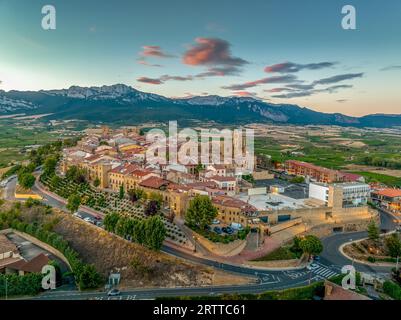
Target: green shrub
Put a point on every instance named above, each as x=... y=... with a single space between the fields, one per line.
x=392 y=289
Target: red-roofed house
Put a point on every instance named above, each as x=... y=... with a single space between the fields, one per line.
x=388 y=198
x=234 y=210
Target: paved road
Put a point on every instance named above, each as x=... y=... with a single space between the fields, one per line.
x=329 y=265
x=331 y=255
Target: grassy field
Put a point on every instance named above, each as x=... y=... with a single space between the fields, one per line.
x=376 y=177
x=333 y=150
x=17 y=135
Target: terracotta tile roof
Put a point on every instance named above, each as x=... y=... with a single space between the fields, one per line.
x=154 y=183
x=218 y=166
x=351 y=176
x=223 y=179
x=204 y=184
x=391 y=193
x=35 y=265
x=93 y=157
x=125 y=169
x=10 y=261
x=141 y=172
x=234 y=203
x=309 y=166
x=336 y=292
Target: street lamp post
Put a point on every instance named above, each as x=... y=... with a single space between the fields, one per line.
x=396 y=266
x=6 y=288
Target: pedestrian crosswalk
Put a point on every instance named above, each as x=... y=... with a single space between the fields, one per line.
x=322 y=271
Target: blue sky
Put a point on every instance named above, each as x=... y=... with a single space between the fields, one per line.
x=277 y=50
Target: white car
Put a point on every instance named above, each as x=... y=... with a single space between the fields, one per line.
x=215 y=221
x=312 y=266
x=113 y=292
x=77 y=214
x=87 y=219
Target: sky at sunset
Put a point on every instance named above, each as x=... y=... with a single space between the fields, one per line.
x=280 y=51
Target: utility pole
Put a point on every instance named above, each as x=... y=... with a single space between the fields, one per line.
x=396 y=266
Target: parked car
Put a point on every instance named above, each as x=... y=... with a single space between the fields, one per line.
x=216 y=221
x=113 y=292
x=90 y=220
x=229 y=230
x=236 y=226
x=97 y=217
x=217 y=230
x=316 y=258
x=78 y=215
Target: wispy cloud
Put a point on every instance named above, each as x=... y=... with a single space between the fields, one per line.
x=250 y=84
x=391 y=68
x=147 y=63
x=307 y=93
x=338 y=78
x=290 y=67
x=154 y=51
x=149 y=80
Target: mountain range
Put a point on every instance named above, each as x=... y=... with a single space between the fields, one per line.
x=125 y=105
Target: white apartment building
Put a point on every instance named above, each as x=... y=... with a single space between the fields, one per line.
x=345 y=195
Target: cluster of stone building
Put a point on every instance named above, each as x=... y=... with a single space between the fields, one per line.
x=118 y=159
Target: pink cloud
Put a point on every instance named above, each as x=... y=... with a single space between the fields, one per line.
x=211 y=51
x=245 y=94
x=154 y=51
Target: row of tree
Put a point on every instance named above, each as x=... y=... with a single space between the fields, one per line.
x=149 y=232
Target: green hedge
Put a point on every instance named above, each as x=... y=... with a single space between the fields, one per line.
x=29 y=284
x=392 y=289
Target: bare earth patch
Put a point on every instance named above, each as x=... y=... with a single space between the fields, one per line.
x=367 y=248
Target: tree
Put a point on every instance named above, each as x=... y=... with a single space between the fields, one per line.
x=393 y=244
x=373 y=231
x=201 y=212
x=122 y=227
x=49 y=166
x=55 y=180
x=74 y=201
x=311 y=245
x=135 y=194
x=26 y=180
x=248 y=178
x=110 y=221
x=96 y=182
x=75 y=174
x=298 y=179
x=154 y=196
x=138 y=231
x=121 y=192
x=89 y=278
x=155 y=232
x=152 y=208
